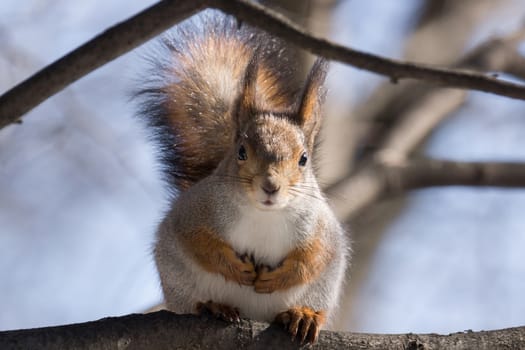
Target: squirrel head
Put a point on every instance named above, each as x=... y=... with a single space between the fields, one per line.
x=274 y=149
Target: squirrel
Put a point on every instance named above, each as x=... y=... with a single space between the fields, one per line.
x=249 y=233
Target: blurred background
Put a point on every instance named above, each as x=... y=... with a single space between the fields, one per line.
x=81 y=194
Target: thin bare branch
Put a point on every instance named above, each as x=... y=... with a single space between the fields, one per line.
x=278 y=25
x=136 y=30
x=100 y=50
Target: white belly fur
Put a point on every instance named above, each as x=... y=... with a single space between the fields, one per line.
x=263 y=307
x=268 y=236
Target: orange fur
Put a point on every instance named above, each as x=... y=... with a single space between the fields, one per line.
x=199 y=108
x=274 y=149
x=237 y=135
x=302 y=265
x=311 y=102
x=216 y=256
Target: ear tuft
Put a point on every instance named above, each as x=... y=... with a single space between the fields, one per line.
x=246 y=101
x=309 y=113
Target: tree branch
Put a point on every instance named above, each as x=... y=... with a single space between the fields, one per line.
x=150 y=22
x=163 y=330
x=420 y=173
x=278 y=25
x=98 y=51
x=383 y=177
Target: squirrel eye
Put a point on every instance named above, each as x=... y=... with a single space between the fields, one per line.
x=303 y=159
x=242 y=153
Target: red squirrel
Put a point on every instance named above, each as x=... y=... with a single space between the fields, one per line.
x=249 y=233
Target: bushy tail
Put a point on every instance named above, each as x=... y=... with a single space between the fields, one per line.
x=195 y=77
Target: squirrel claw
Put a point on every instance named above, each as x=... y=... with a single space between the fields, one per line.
x=302 y=323
x=249 y=264
x=220 y=311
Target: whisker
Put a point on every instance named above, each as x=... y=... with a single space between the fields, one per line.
x=298 y=191
x=306 y=187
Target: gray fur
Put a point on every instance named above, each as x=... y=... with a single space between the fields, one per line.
x=231 y=206
x=216 y=203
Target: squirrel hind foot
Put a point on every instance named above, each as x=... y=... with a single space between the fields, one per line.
x=303 y=323
x=217 y=310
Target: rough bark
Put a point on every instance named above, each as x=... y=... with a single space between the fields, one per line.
x=165 y=330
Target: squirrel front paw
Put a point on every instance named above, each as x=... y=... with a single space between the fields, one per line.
x=269 y=280
x=239 y=268
x=302 y=323
x=221 y=311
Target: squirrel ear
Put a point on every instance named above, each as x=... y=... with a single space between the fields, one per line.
x=245 y=105
x=309 y=114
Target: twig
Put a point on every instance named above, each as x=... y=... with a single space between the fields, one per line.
x=278 y=25
x=163 y=330
x=100 y=50
x=136 y=30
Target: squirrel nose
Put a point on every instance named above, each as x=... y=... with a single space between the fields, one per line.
x=270 y=188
